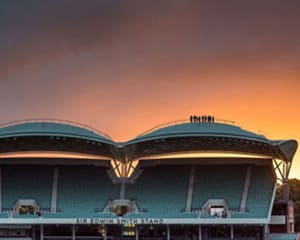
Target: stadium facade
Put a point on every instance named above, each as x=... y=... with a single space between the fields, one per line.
x=198 y=179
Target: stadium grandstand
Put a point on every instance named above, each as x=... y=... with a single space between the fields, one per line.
x=201 y=179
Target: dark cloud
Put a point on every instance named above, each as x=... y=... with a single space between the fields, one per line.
x=57 y=54
x=39 y=32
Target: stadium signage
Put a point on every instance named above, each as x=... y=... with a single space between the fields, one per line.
x=122 y=221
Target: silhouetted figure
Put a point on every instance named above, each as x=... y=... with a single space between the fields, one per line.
x=213 y=119
x=191 y=118
x=209 y=118
x=202 y=117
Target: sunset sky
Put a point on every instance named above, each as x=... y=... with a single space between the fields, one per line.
x=125 y=66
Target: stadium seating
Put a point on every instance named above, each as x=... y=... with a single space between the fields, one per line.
x=282 y=236
x=162 y=191
x=260 y=192
x=219 y=182
x=25 y=216
x=3 y=215
x=27 y=182
x=83 y=189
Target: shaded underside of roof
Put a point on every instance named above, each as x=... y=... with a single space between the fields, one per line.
x=49 y=144
x=198 y=143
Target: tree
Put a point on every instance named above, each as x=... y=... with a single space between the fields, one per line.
x=294 y=189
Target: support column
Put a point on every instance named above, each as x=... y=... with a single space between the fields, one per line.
x=199 y=232
x=136 y=232
x=54 y=190
x=168 y=233
x=285 y=184
x=42 y=232
x=73 y=232
x=283 y=169
x=105 y=232
x=122 y=189
x=190 y=192
x=265 y=231
x=285 y=190
x=246 y=189
x=33 y=235
x=231 y=232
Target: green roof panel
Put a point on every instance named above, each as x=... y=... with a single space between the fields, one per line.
x=201 y=129
x=50 y=129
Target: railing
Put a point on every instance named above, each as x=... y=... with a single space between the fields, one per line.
x=176 y=122
x=168 y=124
x=53 y=120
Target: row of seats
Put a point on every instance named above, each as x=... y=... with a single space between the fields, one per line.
x=26 y=182
x=83 y=189
x=260 y=192
x=227 y=182
x=219 y=182
x=161 y=190
x=283 y=236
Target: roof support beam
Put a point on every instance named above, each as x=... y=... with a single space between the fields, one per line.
x=282 y=169
x=246 y=188
x=54 y=190
x=190 y=191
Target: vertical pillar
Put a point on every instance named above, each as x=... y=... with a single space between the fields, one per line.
x=290 y=218
x=42 y=232
x=136 y=232
x=122 y=189
x=105 y=232
x=231 y=232
x=168 y=233
x=33 y=232
x=285 y=190
x=199 y=232
x=186 y=233
x=73 y=232
x=285 y=185
x=265 y=231
x=189 y=197
x=54 y=190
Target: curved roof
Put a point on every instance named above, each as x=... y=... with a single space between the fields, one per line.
x=201 y=129
x=51 y=128
x=284 y=149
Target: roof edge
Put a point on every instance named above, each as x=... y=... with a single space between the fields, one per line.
x=57 y=121
x=287 y=148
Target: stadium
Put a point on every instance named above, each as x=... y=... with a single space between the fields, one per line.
x=201 y=179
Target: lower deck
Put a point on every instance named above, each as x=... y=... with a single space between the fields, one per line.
x=133 y=232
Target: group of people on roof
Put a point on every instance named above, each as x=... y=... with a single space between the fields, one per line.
x=202 y=119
